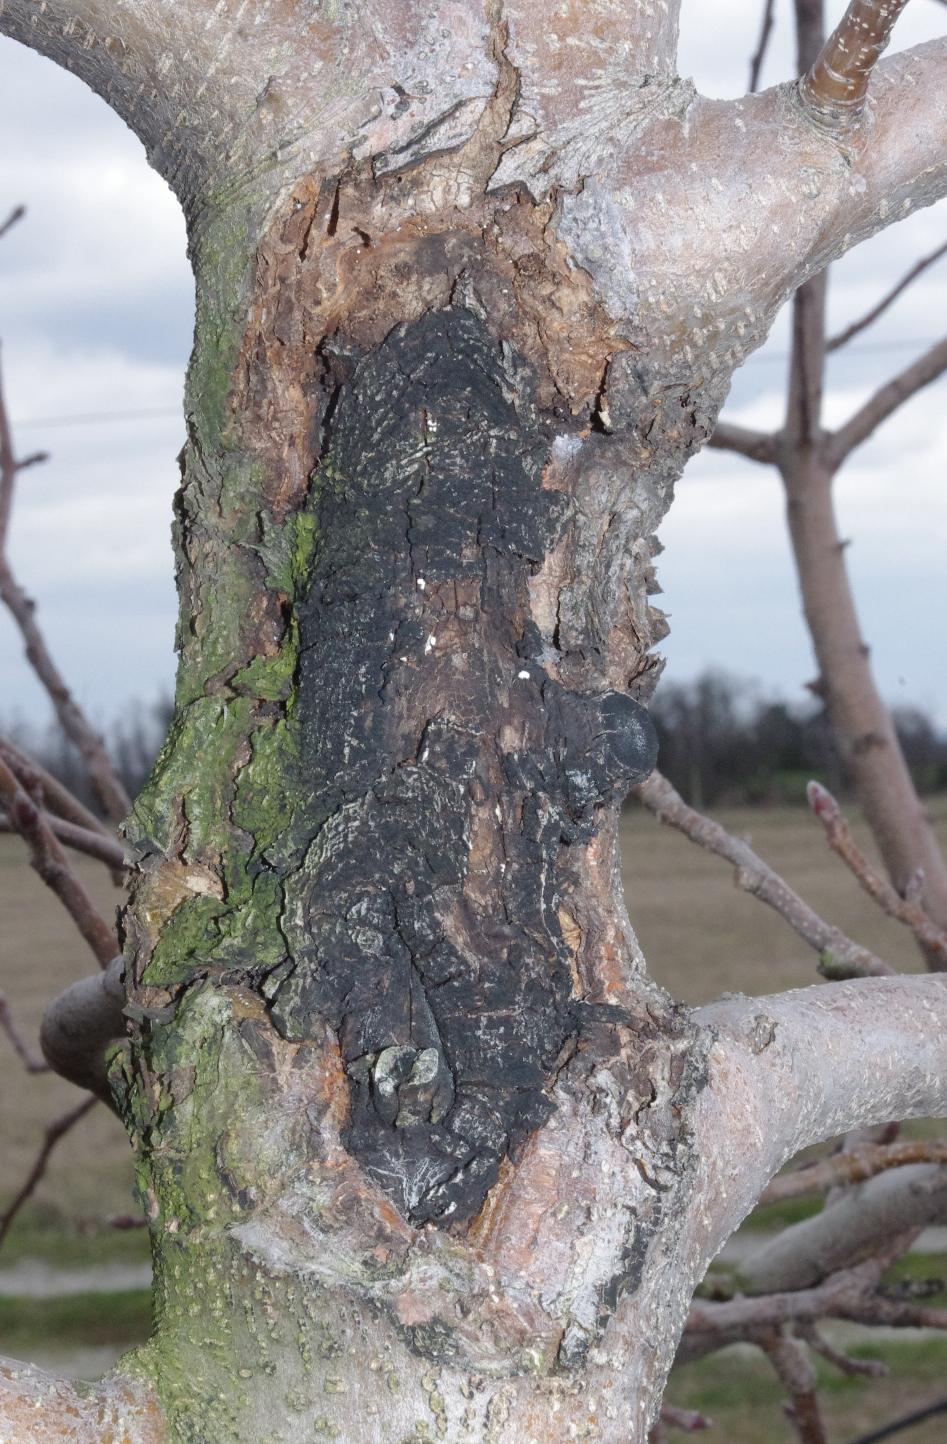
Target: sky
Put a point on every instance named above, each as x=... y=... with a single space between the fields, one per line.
x=96 y=315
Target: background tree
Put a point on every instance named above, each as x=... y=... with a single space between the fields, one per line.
x=809 y=458
x=423 y=1149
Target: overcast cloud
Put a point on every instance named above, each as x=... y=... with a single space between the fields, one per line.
x=96 y=315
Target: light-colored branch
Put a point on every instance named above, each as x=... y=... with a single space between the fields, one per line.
x=870 y=317
x=798 y=1068
x=37 y=1407
x=855 y=1165
x=50 y=862
x=903 y=909
x=886 y=401
x=837 y=84
x=754 y=445
x=838 y=954
x=856 y=1225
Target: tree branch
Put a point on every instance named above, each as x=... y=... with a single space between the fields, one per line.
x=82 y=839
x=71 y=717
x=792 y=1364
x=801 y=1256
x=886 y=401
x=766 y=30
x=837 y=84
x=838 y=954
x=30 y=1061
x=870 y=317
x=52 y=865
x=902 y=909
x=800 y=1067
x=918 y=1416
x=856 y=1165
x=81 y=1025
x=54 y=1132
x=758 y=446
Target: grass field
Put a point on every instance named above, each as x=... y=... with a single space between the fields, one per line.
x=701 y=936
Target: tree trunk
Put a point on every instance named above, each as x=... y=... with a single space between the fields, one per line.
x=379 y=935
x=424 y=1151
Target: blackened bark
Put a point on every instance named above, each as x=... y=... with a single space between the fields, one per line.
x=428 y=719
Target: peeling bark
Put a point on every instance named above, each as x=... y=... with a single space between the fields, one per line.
x=424 y=1151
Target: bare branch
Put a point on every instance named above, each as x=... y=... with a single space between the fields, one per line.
x=766 y=30
x=837 y=84
x=15 y=215
x=790 y=1359
x=31 y=1062
x=838 y=954
x=71 y=717
x=856 y=328
x=57 y=798
x=904 y=910
x=51 y=863
x=856 y=1165
x=801 y=1256
x=907 y=1421
x=754 y=445
x=54 y=1132
x=798 y=1068
x=81 y=839
x=886 y=401
x=854 y=1368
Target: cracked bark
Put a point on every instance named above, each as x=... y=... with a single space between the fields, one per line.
x=424 y=1150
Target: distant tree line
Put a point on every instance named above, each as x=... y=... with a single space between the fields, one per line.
x=722 y=742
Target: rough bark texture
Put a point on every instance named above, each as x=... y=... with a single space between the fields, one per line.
x=424 y=1151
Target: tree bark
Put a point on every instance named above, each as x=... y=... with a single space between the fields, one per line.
x=424 y=1151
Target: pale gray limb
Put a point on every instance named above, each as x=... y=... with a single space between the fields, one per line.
x=806 y=1253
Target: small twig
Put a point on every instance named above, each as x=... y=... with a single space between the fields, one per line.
x=918 y=269
x=50 y=862
x=854 y=1368
x=755 y=65
x=840 y=957
x=885 y=402
x=15 y=215
x=72 y=719
x=31 y=1061
x=54 y=1132
x=907 y=1421
x=837 y=84
x=57 y=798
x=903 y=910
x=761 y=446
x=855 y=1166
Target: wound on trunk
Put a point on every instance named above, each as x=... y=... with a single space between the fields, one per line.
x=446 y=773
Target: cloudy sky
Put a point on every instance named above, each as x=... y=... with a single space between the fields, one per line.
x=96 y=317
